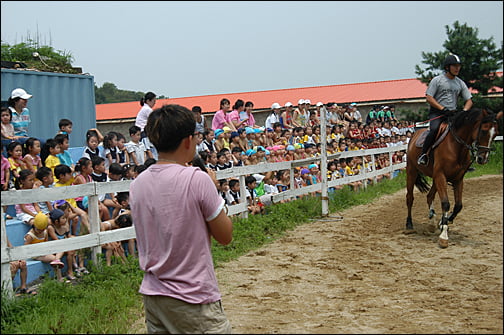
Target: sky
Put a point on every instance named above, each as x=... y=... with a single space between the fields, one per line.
x=194 y=48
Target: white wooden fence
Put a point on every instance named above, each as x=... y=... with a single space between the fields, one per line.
x=96 y=238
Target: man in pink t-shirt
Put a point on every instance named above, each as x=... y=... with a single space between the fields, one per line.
x=176 y=211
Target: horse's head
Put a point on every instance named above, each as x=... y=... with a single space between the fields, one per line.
x=484 y=134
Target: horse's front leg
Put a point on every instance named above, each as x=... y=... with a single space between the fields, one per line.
x=440 y=183
x=457 y=192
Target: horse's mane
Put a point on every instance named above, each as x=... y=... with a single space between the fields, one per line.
x=470 y=117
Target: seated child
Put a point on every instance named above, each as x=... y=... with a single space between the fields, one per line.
x=38 y=234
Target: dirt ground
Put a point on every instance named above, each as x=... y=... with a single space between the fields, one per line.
x=366 y=274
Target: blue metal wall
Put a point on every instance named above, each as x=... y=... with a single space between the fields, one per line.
x=55 y=96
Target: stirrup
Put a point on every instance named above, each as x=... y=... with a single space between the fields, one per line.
x=423 y=159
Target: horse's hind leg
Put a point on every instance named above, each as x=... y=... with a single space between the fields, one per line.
x=457 y=191
x=430 y=200
x=410 y=184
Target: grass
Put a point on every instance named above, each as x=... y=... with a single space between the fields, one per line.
x=107 y=300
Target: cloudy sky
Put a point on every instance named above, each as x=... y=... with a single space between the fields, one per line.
x=182 y=49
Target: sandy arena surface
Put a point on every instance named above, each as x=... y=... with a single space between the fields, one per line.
x=366 y=274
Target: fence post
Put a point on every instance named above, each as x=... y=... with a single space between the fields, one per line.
x=5 y=269
x=94 y=223
x=243 y=195
x=323 y=161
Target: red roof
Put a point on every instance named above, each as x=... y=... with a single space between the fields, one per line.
x=346 y=93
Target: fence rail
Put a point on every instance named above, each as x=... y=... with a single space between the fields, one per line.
x=96 y=238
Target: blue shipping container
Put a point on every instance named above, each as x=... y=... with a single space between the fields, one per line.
x=55 y=96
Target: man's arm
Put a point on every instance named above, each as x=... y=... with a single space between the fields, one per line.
x=221 y=228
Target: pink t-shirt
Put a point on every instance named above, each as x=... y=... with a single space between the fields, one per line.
x=219 y=120
x=234 y=116
x=170 y=205
x=251 y=121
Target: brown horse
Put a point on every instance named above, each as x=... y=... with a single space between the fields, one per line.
x=462 y=138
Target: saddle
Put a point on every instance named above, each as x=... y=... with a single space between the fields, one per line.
x=442 y=132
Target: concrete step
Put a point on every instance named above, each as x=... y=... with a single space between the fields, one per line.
x=16 y=230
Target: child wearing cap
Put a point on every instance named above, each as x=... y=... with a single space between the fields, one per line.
x=59 y=229
x=220 y=140
x=234 y=140
x=251 y=157
x=38 y=234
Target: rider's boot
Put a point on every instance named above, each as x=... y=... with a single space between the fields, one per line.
x=423 y=159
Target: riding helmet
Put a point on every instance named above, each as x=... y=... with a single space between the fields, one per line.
x=451 y=59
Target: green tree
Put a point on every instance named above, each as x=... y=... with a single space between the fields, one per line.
x=480 y=61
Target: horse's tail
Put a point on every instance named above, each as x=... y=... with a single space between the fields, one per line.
x=421 y=183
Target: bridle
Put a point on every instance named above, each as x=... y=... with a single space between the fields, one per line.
x=474 y=148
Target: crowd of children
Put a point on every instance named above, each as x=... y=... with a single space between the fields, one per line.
x=292 y=134
x=29 y=165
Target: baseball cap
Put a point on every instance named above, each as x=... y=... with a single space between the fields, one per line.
x=226 y=129
x=250 y=152
x=301 y=101
x=288 y=104
x=304 y=171
x=217 y=132
x=290 y=147
x=319 y=104
x=353 y=104
x=311 y=166
x=20 y=93
x=249 y=130
x=276 y=105
x=307 y=101
x=55 y=214
x=234 y=134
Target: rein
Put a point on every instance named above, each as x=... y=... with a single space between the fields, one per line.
x=473 y=148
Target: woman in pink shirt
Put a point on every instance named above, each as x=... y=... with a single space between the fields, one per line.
x=220 y=119
x=238 y=117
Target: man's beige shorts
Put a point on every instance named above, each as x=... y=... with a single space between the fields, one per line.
x=165 y=315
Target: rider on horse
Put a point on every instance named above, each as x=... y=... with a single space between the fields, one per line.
x=442 y=95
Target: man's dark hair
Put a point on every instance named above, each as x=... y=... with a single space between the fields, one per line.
x=149 y=161
x=196 y=109
x=167 y=126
